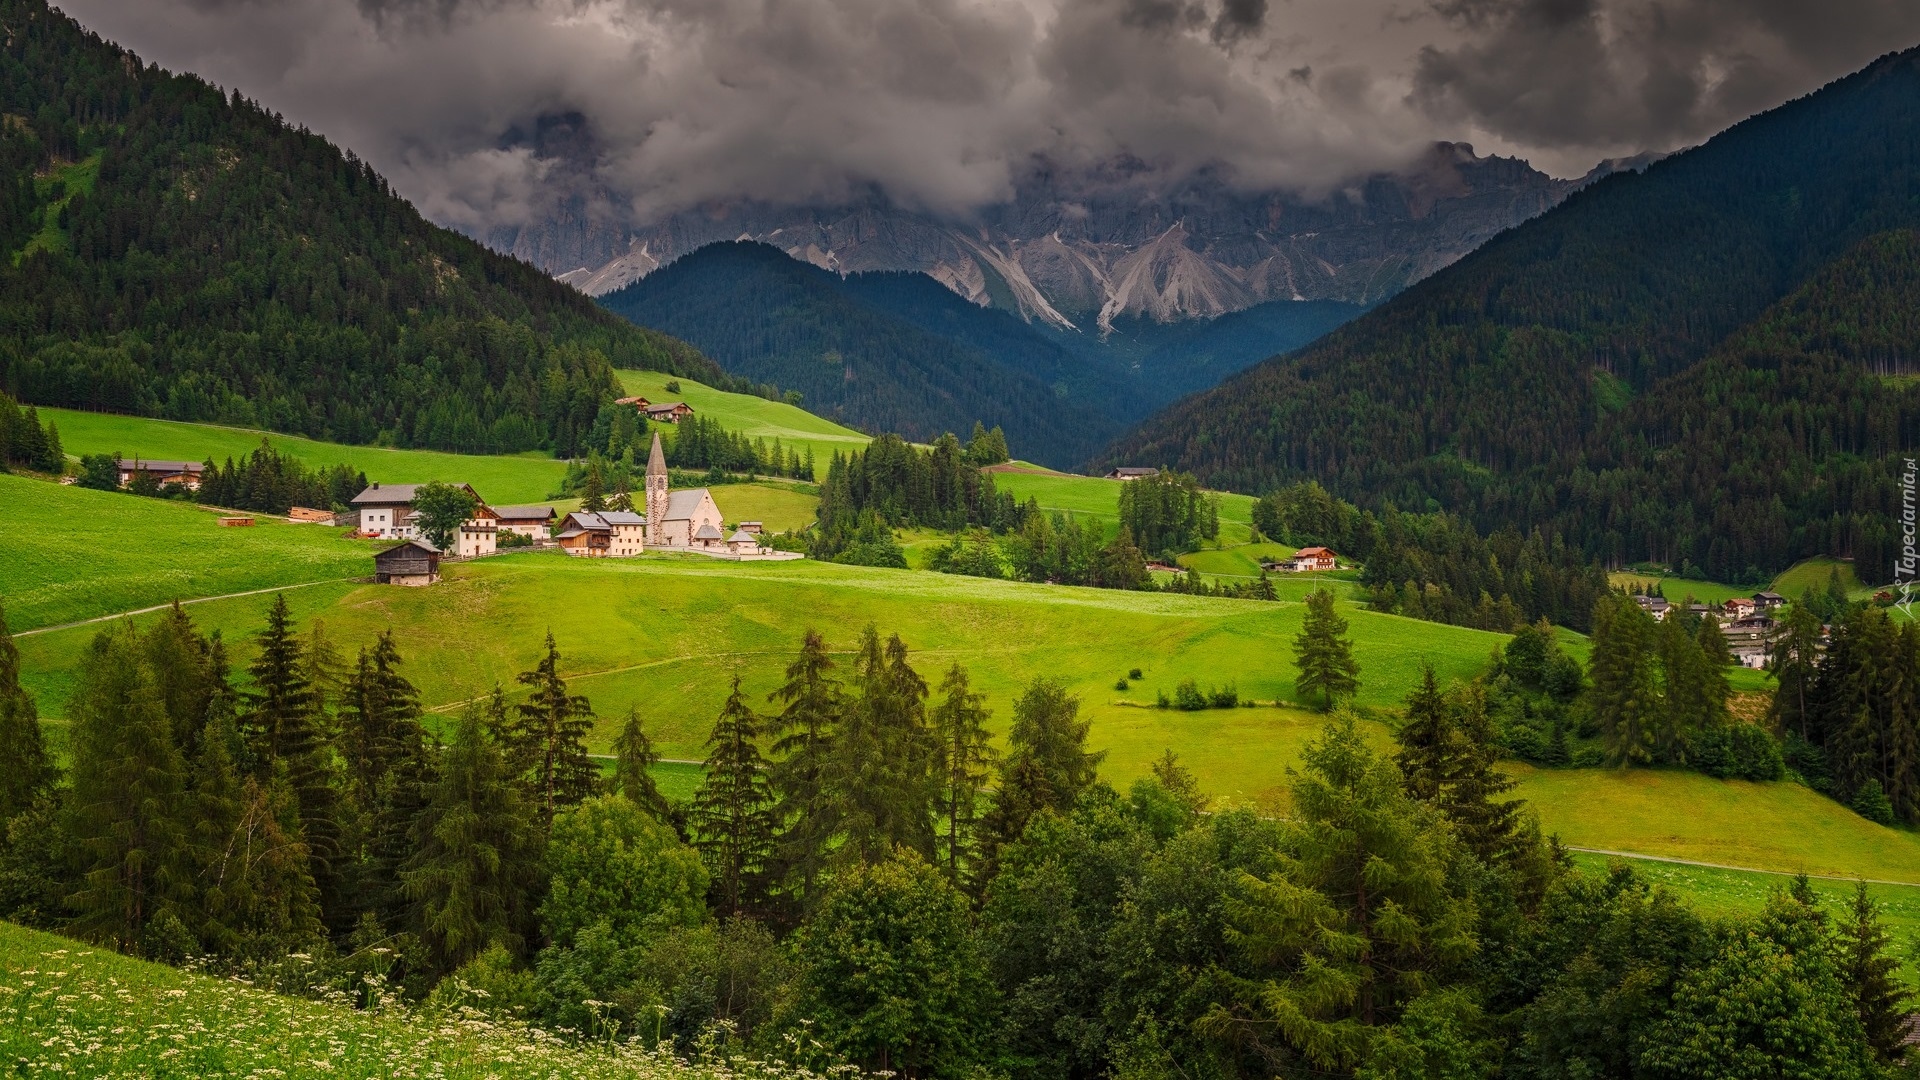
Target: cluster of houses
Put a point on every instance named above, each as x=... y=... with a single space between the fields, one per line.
x=664 y=412
x=1748 y=623
x=673 y=521
x=1307 y=560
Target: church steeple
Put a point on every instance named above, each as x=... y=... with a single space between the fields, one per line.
x=656 y=493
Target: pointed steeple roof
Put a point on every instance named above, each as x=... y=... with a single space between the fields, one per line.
x=657 y=460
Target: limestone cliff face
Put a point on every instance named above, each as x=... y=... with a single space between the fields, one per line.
x=1084 y=248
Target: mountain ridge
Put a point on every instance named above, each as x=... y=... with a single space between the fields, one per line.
x=1080 y=249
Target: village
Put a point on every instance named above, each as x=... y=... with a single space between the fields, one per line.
x=1747 y=625
x=687 y=521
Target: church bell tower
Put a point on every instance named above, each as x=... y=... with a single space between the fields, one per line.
x=656 y=494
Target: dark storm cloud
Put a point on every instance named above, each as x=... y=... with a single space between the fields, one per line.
x=941 y=104
x=1599 y=77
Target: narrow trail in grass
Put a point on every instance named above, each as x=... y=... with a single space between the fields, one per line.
x=1741 y=869
x=182 y=603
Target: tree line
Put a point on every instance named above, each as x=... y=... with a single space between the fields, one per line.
x=1850 y=712
x=863 y=877
x=891 y=483
x=25 y=442
x=1435 y=566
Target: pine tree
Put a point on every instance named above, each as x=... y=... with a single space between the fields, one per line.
x=126 y=812
x=1870 y=971
x=963 y=762
x=1323 y=654
x=28 y=772
x=475 y=867
x=731 y=816
x=804 y=731
x=552 y=728
x=634 y=758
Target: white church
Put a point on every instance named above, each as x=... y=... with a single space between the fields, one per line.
x=674 y=521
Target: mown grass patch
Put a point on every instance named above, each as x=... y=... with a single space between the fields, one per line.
x=68 y=553
x=1774 y=826
x=1815 y=574
x=751 y=416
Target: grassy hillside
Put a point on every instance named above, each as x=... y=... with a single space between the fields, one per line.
x=68 y=553
x=504 y=478
x=754 y=417
x=67 y=1009
x=665 y=633
x=1094 y=497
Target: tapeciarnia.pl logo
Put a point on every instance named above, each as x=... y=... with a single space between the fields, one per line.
x=1908 y=565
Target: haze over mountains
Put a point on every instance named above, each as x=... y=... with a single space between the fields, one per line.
x=1080 y=249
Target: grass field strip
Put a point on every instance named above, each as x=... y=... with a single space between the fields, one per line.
x=182 y=603
x=1740 y=869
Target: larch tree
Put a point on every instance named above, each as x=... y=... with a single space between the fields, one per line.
x=876 y=774
x=731 y=816
x=126 y=813
x=389 y=770
x=550 y=733
x=1323 y=654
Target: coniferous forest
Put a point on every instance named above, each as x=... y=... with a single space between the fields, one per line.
x=863 y=875
x=1698 y=364
x=178 y=252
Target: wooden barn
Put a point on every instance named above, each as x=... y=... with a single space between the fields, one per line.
x=415 y=562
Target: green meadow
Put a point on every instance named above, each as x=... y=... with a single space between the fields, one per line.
x=751 y=416
x=67 y=553
x=1099 y=498
x=499 y=478
x=68 y=1009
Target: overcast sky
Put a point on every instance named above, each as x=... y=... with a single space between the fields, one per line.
x=940 y=103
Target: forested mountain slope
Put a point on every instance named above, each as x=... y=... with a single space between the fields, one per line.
x=176 y=252
x=1555 y=377
x=771 y=318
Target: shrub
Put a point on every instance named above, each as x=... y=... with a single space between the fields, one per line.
x=1739 y=752
x=1589 y=757
x=1871 y=802
x=1187 y=696
x=1227 y=697
x=1134 y=674
x=1120 y=685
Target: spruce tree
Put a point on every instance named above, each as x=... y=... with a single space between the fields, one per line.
x=389 y=771
x=1358 y=922
x=1624 y=695
x=27 y=772
x=286 y=735
x=593 y=496
x=1427 y=741
x=1323 y=654
x=1487 y=824
x=634 y=758
x=1713 y=643
x=877 y=773
x=1794 y=665
x=1870 y=971
x=127 y=815
x=475 y=870
x=1693 y=700
x=1047 y=766
x=731 y=816
x=551 y=731
x=963 y=762
x=804 y=731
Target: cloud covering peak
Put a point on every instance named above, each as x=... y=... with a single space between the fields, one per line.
x=488 y=112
